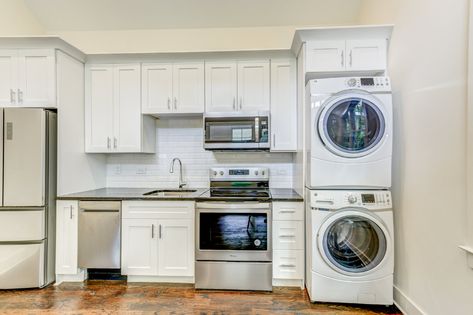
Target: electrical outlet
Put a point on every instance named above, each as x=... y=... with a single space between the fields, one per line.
x=117 y=170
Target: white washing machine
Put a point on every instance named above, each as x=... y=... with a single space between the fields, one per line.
x=350 y=133
x=350 y=250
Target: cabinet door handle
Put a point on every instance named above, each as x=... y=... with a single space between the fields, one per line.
x=287 y=266
x=175 y=103
x=351 y=58
x=108 y=142
x=12 y=96
x=70 y=212
x=20 y=96
x=234 y=102
x=274 y=140
x=169 y=102
x=160 y=231
x=241 y=102
x=152 y=230
x=343 y=58
x=115 y=142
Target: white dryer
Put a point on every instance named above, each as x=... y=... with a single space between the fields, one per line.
x=350 y=133
x=350 y=246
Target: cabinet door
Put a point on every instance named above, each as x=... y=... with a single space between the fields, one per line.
x=156 y=88
x=127 y=108
x=188 y=88
x=99 y=109
x=66 y=237
x=325 y=56
x=253 y=85
x=364 y=55
x=139 y=247
x=176 y=247
x=283 y=106
x=8 y=77
x=220 y=87
x=36 y=78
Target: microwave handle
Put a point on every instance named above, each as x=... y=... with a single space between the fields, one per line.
x=257 y=129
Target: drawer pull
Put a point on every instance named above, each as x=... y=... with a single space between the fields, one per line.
x=287 y=211
x=287 y=266
x=287 y=236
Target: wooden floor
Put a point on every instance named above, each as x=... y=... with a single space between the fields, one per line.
x=112 y=297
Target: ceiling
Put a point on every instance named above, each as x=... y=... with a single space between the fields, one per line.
x=92 y=15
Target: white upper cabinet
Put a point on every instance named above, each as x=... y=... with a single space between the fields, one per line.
x=283 y=105
x=253 y=86
x=237 y=86
x=173 y=88
x=220 y=86
x=28 y=78
x=156 y=88
x=365 y=55
x=188 y=88
x=114 y=122
x=346 y=55
x=325 y=56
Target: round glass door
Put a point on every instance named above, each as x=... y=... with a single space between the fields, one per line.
x=354 y=244
x=353 y=126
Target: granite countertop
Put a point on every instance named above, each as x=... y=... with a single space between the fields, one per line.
x=277 y=194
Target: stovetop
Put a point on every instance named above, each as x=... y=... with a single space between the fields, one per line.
x=232 y=194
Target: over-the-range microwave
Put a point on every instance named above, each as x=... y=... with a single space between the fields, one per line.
x=237 y=131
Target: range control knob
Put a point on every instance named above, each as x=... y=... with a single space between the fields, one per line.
x=256 y=173
x=221 y=173
x=352 y=82
x=352 y=199
x=215 y=173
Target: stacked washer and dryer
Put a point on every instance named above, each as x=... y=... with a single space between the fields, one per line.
x=350 y=250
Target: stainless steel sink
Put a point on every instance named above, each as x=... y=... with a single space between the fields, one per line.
x=170 y=192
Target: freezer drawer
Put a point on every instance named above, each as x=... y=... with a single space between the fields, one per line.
x=22 y=266
x=18 y=225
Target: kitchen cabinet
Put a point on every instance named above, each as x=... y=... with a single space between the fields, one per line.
x=28 y=78
x=67 y=237
x=114 y=123
x=283 y=105
x=346 y=55
x=237 y=86
x=288 y=243
x=155 y=240
x=173 y=88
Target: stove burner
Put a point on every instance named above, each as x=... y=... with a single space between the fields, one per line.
x=239 y=193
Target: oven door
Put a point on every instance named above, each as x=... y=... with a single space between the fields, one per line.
x=236 y=132
x=239 y=231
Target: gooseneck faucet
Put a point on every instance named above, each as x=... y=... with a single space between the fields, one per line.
x=171 y=170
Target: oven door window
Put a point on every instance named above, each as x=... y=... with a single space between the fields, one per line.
x=230 y=131
x=233 y=231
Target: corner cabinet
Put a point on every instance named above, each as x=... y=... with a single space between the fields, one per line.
x=66 y=237
x=364 y=55
x=173 y=88
x=283 y=105
x=158 y=240
x=232 y=86
x=113 y=119
x=28 y=78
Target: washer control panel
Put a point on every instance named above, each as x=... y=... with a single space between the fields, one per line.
x=333 y=200
x=368 y=82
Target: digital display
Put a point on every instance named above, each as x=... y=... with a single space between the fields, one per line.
x=239 y=172
x=367 y=81
x=367 y=198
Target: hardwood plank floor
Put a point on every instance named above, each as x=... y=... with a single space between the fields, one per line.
x=114 y=297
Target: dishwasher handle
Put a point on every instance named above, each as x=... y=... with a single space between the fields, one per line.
x=100 y=206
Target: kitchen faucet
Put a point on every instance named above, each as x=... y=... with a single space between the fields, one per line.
x=171 y=170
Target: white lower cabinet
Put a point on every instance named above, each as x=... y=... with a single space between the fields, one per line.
x=154 y=243
x=288 y=243
x=66 y=237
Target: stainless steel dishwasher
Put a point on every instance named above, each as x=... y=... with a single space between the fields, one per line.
x=99 y=234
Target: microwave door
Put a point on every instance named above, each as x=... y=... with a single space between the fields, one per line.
x=230 y=132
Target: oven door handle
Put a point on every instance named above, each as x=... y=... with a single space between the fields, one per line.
x=238 y=205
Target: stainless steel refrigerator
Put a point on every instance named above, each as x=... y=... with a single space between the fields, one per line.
x=27 y=197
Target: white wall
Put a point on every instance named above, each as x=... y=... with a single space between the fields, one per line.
x=428 y=66
x=183 y=138
x=16 y=19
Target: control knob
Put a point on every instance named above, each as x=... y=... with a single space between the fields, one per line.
x=256 y=173
x=215 y=173
x=221 y=173
x=352 y=199
x=352 y=82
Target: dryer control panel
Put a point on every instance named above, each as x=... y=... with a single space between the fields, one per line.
x=336 y=85
x=334 y=200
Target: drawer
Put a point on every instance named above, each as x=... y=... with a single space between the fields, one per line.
x=288 y=211
x=158 y=209
x=17 y=225
x=288 y=264
x=288 y=235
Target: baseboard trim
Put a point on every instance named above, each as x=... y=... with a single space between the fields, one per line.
x=161 y=279
x=289 y=283
x=405 y=304
x=79 y=277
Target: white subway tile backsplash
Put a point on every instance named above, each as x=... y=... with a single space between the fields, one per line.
x=183 y=138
